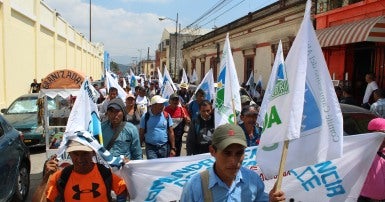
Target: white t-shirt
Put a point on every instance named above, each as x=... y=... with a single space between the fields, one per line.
x=372 y=86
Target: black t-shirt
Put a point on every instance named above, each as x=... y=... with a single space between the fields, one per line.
x=35 y=87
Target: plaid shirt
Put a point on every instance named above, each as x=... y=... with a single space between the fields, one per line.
x=379 y=107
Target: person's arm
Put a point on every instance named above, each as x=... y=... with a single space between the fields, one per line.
x=142 y=129
x=276 y=196
x=191 y=138
x=50 y=167
x=171 y=138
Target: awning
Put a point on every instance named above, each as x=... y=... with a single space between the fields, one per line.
x=370 y=29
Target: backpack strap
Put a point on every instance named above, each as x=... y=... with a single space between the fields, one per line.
x=63 y=179
x=146 y=117
x=379 y=153
x=107 y=178
x=207 y=194
x=116 y=135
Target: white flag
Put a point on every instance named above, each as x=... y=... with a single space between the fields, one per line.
x=184 y=77
x=160 y=78
x=250 y=82
x=111 y=82
x=194 y=76
x=84 y=125
x=277 y=73
x=168 y=86
x=228 y=97
x=207 y=85
x=303 y=108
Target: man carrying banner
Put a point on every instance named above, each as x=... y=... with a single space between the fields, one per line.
x=227 y=179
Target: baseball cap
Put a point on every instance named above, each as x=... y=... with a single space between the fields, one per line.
x=377 y=124
x=157 y=99
x=228 y=134
x=183 y=85
x=116 y=103
x=174 y=95
x=77 y=146
x=245 y=98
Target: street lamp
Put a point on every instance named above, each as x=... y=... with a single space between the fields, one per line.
x=176 y=38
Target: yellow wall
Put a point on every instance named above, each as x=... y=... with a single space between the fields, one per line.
x=34 y=41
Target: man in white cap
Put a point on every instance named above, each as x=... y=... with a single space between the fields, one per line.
x=156 y=130
x=227 y=180
x=84 y=180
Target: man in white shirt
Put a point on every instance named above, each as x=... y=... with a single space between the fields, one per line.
x=372 y=85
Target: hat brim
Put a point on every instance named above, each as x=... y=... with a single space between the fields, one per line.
x=78 y=148
x=229 y=141
x=159 y=101
x=115 y=106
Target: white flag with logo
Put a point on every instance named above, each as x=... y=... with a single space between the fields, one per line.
x=111 y=82
x=228 y=98
x=303 y=108
x=168 y=86
x=207 y=85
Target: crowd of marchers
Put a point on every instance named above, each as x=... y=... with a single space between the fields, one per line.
x=146 y=119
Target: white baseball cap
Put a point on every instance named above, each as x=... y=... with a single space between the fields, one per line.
x=157 y=99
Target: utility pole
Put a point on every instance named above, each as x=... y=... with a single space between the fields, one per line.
x=148 y=59
x=90 y=21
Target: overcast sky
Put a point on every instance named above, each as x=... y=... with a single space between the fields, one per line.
x=128 y=27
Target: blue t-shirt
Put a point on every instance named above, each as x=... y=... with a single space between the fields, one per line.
x=247 y=186
x=157 y=131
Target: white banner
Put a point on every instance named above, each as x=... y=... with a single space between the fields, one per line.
x=337 y=180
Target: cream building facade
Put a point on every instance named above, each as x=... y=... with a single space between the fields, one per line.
x=34 y=41
x=253 y=39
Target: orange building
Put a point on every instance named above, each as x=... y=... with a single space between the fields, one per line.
x=352 y=37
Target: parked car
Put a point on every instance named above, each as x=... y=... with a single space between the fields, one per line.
x=22 y=115
x=356 y=119
x=15 y=164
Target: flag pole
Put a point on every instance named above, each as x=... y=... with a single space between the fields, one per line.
x=282 y=164
x=234 y=112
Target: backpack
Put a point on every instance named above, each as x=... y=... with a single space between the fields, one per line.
x=147 y=116
x=104 y=172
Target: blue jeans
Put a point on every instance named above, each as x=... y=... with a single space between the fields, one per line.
x=157 y=151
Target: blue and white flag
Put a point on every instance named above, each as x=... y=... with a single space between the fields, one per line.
x=184 y=77
x=168 y=86
x=228 y=98
x=133 y=81
x=111 y=82
x=207 y=85
x=302 y=108
x=84 y=124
